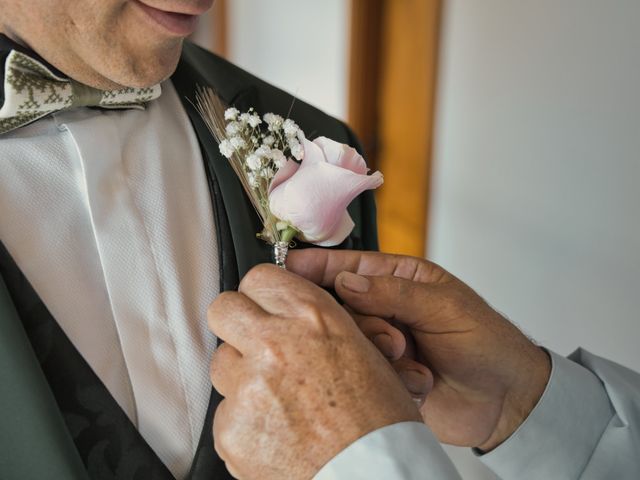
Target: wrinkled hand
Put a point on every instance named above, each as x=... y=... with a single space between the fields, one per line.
x=487 y=376
x=300 y=380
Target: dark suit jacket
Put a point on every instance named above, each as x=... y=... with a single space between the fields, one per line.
x=57 y=420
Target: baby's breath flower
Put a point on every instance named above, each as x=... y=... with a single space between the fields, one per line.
x=292 y=141
x=297 y=150
x=238 y=142
x=263 y=151
x=244 y=117
x=269 y=118
x=278 y=158
x=226 y=148
x=254 y=162
x=269 y=140
x=274 y=121
x=231 y=113
x=290 y=128
x=233 y=128
x=254 y=120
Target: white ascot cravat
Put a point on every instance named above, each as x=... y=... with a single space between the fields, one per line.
x=109 y=216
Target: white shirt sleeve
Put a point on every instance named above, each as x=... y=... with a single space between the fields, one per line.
x=403 y=451
x=586 y=425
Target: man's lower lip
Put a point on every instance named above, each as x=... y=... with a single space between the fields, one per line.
x=176 y=23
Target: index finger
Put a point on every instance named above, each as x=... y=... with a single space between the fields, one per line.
x=282 y=293
x=321 y=265
x=236 y=319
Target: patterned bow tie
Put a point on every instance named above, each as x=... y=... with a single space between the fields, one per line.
x=33 y=91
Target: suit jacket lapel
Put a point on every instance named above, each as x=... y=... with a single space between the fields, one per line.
x=243 y=222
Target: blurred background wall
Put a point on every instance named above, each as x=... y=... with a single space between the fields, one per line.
x=301 y=50
x=536 y=197
x=534 y=137
x=300 y=46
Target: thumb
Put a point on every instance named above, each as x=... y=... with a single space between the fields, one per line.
x=411 y=303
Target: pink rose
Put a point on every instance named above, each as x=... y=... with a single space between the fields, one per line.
x=313 y=196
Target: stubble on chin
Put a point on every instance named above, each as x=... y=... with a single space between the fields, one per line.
x=121 y=50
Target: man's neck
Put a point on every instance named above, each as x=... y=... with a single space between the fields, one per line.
x=11 y=35
x=23 y=46
x=10 y=42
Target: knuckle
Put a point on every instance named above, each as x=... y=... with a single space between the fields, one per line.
x=309 y=309
x=314 y=316
x=258 y=276
x=224 y=441
x=226 y=434
x=272 y=352
x=430 y=272
x=225 y=298
x=214 y=308
x=223 y=444
x=404 y=265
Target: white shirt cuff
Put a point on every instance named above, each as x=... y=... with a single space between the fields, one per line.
x=561 y=432
x=402 y=451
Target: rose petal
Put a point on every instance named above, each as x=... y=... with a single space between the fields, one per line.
x=315 y=198
x=283 y=174
x=342 y=155
x=313 y=153
x=342 y=231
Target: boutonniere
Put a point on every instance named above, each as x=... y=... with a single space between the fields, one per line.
x=299 y=188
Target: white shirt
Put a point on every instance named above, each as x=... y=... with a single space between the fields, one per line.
x=585 y=426
x=108 y=215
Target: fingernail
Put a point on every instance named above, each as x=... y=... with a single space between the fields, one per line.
x=384 y=343
x=355 y=283
x=416 y=382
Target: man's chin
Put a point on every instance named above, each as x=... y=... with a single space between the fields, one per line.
x=140 y=74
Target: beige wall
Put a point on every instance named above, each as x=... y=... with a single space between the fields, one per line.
x=537 y=176
x=298 y=45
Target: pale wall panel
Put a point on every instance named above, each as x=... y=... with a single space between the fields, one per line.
x=298 y=45
x=537 y=166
